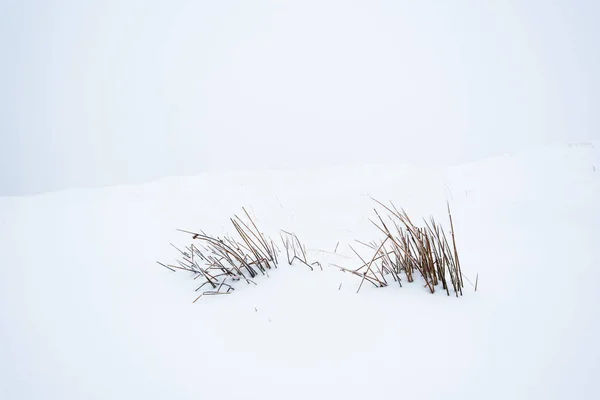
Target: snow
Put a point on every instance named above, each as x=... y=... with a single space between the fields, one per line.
x=86 y=312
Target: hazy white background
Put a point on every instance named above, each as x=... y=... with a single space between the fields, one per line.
x=96 y=93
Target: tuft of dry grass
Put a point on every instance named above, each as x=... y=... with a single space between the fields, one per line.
x=219 y=262
x=407 y=250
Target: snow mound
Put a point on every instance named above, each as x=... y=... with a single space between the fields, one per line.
x=87 y=313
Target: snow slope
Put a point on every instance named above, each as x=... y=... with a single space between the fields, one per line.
x=86 y=312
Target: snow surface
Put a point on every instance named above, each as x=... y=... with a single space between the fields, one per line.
x=87 y=313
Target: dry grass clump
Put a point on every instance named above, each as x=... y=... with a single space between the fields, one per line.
x=409 y=250
x=219 y=262
x=406 y=251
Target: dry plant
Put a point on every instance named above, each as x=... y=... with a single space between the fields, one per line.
x=219 y=262
x=406 y=251
x=409 y=250
x=296 y=250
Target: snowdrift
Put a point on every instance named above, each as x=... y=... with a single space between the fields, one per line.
x=86 y=312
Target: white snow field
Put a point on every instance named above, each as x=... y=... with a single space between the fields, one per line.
x=87 y=313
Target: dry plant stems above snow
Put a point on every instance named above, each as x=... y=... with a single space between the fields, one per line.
x=405 y=249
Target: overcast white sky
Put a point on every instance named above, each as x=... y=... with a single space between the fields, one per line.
x=104 y=92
